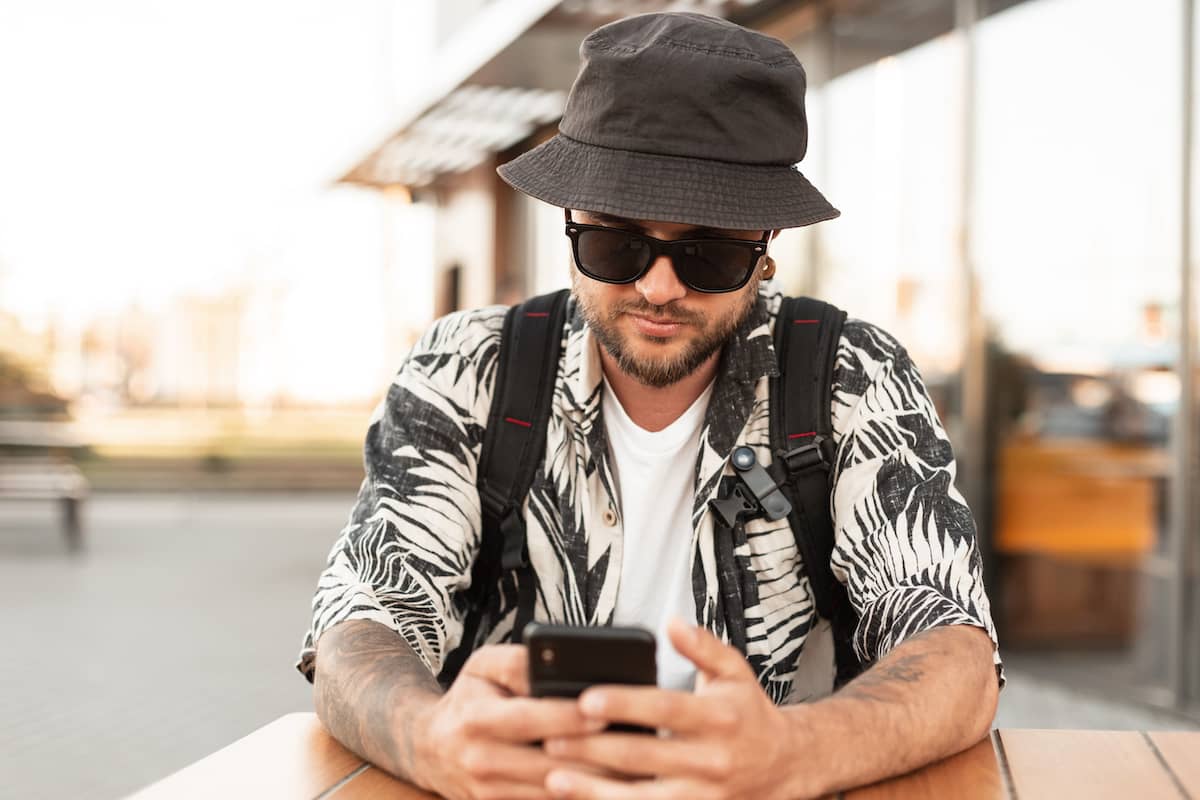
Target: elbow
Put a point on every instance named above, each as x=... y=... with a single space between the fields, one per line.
x=985 y=700
x=320 y=684
x=989 y=703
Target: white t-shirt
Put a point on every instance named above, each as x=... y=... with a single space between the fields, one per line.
x=656 y=475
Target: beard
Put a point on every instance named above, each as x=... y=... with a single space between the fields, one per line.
x=661 y=371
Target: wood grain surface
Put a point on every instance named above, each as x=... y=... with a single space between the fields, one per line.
x=1181 y=751
x=375 y=784
x=1047 y=765
x=291 y=757
x=973 y=773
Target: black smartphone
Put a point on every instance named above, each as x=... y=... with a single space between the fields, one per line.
x=566 y=659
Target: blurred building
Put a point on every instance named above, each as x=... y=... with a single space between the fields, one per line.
x=242 y=346
x=1015 y=182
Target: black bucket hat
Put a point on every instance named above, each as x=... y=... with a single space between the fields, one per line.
x=680 y=117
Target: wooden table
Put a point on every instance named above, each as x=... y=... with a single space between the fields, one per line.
x=294 y=757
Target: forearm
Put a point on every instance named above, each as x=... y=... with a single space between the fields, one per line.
x=369 y=689
x=933 y=695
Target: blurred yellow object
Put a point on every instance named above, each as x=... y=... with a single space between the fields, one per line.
x=1078 y=498
x=1075 y=520
x=1053 y=601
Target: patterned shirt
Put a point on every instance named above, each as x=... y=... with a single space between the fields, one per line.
x=904 y=542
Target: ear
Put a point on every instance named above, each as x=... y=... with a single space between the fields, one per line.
x=768 y=263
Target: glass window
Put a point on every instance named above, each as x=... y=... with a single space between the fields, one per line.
x=893 y=166
x=1075 y=234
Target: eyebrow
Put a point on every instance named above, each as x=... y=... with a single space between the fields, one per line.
x=622 y=222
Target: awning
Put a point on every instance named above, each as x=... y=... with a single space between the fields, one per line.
x=457 y=134
x=502 y=77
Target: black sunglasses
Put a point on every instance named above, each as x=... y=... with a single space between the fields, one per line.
x=616 y=255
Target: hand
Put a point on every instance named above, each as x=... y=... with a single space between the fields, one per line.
x=473 y=742
x=727 y=740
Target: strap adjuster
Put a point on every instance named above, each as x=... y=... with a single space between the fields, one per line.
x=807 y=456
x=512 y=529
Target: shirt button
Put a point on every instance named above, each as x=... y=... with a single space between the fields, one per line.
x=610 y=517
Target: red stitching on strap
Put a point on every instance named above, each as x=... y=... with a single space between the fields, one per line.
x=537 y=313
x=801 y=435
x=806 y=321
x=520 y=422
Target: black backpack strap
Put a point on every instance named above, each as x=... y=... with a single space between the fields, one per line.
x=513 y=444
x=807 y=333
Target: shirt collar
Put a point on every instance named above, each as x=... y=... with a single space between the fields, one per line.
x=582 y=363
x=750 y=353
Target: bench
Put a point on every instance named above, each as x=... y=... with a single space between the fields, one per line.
x=33 y=466
x=30 y=478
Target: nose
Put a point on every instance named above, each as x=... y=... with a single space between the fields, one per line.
x=660 y=285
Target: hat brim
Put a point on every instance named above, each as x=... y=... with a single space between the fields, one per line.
x=718 y=194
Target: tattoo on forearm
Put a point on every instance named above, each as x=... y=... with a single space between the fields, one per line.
x=365 y=674
x=904 y=666
x=875 y=682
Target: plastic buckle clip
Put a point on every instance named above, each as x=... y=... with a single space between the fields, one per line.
x=751 y=493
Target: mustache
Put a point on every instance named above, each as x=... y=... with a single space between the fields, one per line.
x=668 y=313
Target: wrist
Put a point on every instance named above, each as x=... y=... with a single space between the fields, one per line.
x=807 y=771
x=416 y=746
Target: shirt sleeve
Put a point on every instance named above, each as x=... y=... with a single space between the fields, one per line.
x=414 y=529
x=905 y=544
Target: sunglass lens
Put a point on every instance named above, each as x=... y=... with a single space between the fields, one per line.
x=611 y=255
x=713 y=266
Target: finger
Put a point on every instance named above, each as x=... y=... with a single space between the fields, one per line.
x=495 y=763
x=526 y=719
x=568 y=784
x=649 y=706
x=514 y=791
x=506 y=665
x=641 y=755
x=712 y=657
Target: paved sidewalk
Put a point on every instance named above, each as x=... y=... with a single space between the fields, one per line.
x=172 y=636
x=175 y=633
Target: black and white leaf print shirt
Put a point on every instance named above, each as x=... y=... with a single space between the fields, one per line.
x=904 y=537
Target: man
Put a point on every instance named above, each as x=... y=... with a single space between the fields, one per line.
x=679 y=127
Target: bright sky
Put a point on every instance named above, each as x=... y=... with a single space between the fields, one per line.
x=152 y=148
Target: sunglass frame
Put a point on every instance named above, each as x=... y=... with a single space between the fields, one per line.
x=659 y=247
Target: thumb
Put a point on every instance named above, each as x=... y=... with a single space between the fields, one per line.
x=505 y=666
x=713 y=658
